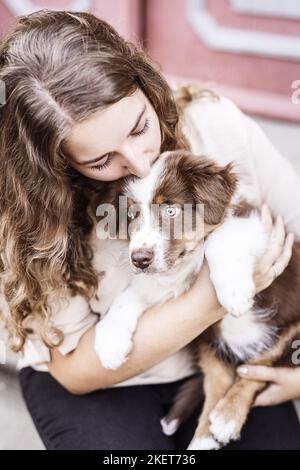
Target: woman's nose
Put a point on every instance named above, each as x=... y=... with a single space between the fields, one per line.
x=137 y=163
x=140 y=169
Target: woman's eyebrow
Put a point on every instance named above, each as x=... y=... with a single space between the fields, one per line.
x=94 y=160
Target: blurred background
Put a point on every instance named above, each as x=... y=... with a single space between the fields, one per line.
x=247 y=50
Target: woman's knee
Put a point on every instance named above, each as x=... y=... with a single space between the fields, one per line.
x=112 y=419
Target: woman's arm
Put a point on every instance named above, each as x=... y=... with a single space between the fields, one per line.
x=162 y=330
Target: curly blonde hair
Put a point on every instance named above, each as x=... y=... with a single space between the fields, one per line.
x=59 y=67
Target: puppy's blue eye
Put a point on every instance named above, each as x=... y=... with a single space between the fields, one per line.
x=172 y=211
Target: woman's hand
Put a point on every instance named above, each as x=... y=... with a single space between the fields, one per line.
x=278 y=254
x=284 y=383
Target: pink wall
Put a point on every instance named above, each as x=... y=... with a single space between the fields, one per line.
x=259 y=84
x=124 y=15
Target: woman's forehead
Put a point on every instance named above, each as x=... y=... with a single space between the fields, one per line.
x=107 y=125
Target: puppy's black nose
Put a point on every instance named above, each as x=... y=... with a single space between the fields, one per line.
x=141 y=258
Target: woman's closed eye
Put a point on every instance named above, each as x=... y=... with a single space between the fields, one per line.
x=109 y=155
x=101 y=166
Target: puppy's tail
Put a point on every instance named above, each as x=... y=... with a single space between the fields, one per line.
x=188 y=398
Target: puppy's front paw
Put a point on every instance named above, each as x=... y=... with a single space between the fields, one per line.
x=225 y=425
x=237 y=298
x=204 y=443
x=112 y=343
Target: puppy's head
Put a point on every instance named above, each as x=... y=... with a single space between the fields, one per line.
x=168 y=213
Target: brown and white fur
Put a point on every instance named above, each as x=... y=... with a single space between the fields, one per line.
x=151 y=268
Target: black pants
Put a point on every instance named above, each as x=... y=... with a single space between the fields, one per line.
x=127 y=418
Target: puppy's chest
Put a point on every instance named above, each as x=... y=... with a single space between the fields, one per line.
x=244 y=338
x=158 y=289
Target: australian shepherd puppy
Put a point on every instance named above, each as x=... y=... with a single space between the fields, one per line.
x=149 y=245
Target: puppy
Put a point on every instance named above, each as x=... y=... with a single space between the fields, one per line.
x=163 y=255
x=160 y=260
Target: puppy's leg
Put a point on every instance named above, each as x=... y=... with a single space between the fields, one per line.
x=113 y=338
x=188 y=398
x=231 y=251
x=218 y=377
x=230 y=414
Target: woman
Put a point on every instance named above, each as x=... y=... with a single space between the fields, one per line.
x=84 y=107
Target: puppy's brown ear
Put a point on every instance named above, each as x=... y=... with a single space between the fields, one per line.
x=214 y=187
x=211 y=184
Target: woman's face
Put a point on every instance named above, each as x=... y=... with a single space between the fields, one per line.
x=122 y=139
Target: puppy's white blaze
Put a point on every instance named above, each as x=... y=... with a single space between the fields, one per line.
x=142 y=190
x=145 y=238
x=169 y=428
x=148 y=236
